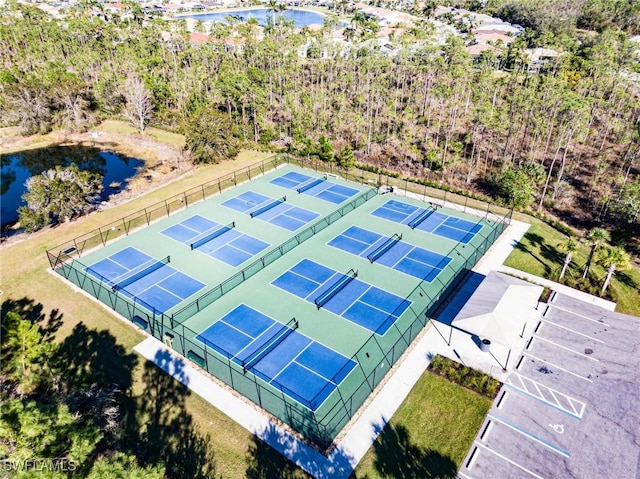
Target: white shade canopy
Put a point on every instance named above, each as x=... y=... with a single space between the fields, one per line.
x=498 y=309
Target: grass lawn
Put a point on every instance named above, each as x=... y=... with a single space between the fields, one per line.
x=538 y=253
x=164 y=136
x=429 y=435
x=103 y=340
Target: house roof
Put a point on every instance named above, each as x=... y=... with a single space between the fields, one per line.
x=499 y=27
x=493 y=36
x=198 y=38
x=478 y=48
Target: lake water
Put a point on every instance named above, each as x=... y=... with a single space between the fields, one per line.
x=301 y=18
x=16 y=168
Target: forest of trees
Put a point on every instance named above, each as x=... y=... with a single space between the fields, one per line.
x=69 y=409
x=566 y=140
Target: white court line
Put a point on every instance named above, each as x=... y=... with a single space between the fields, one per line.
x=546 y=320
x=555 y=366
x=551 y=305
x=508 y=460
x=566 y=348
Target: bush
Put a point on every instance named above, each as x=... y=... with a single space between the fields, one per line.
x=465 y=376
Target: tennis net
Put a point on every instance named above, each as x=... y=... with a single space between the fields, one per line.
x=413 y=224
x=212 y=234
x=264 y=207
x=335 y=288
x=269 y=344
x=309 y=184
x=135 y=274
x=384 y=247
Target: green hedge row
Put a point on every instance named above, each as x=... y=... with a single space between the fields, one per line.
x=465 y=376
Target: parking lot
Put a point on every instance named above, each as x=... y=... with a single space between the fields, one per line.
x=571 y=405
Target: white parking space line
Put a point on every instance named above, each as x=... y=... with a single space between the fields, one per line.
x=533 y=474
x=531 y=436
x=526 y=353
x=524 y=384
x=546 y=320
x=580 y=315
x=566 y=348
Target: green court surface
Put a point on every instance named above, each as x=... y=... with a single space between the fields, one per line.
x=299 y=291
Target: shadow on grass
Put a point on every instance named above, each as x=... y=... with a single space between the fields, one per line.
x=265 y=462
x=550 y=256
x=28 y=309
x=161 y=430
x=396 y=456
x=155 y=426
x=89 y=358
x=626 y=279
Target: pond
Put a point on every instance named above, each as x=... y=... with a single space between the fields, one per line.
x=17 y=167
x=301 y=18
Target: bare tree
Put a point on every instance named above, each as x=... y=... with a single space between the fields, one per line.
x=138 y=103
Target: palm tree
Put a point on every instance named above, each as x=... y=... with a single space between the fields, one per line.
x=570 y=246
x=596 y=237
x=614 y=258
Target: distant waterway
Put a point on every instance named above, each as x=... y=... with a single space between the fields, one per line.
x=301 y=18
x=18 y=167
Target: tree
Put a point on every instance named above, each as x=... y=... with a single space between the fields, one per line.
x=325 y=150
x=29 y=105
x=57 y=195
x=570 y=246
x=139 y=104
x=210 y=136
x=24 y=352
x=596 y=237
x=614 y=258
x=346 y=158
x=627 y=207
x=516 y=188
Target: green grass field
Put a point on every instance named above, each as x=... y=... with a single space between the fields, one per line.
x=429 y=435
x=538 y=253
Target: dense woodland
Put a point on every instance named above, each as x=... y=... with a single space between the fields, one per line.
x=565 y=139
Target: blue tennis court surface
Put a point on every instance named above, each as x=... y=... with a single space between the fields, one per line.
x=219 y=241
x=318 y=187
x=159 y=290
x=275 y=211
x=302 y=368
x=396 y=254
x=429 y=220
x=370 y=307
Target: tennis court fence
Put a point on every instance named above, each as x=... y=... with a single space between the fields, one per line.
x=374 y=359
x=99 y=237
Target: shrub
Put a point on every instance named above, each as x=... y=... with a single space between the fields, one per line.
x=465 y=376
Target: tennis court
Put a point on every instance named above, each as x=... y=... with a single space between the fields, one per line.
x=275 y=211
x=319 y=187
x=429 y=220
x=155 y=284
x=223 y=242
x=302 y=368
x=372 y=308
x=299 y=303
x=391 y=252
